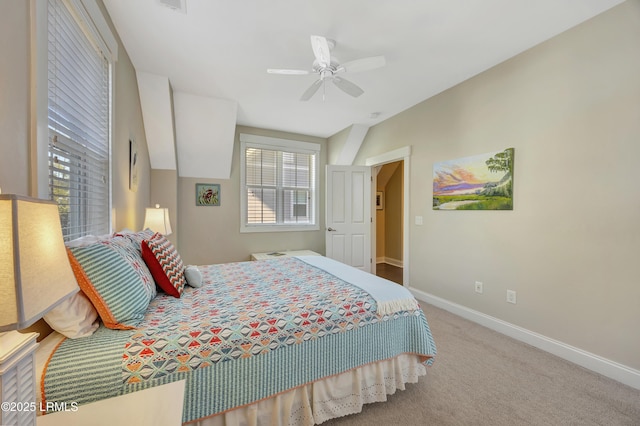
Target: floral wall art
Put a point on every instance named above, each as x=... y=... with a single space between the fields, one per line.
x=480 y=182
x=207 y=194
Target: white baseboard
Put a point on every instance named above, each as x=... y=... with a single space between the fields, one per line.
x=390 y=261
x=593 y=362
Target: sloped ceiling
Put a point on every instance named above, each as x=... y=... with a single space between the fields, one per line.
x=385 y=174
x=157 y=113
x=221 y=50
x=205 y=129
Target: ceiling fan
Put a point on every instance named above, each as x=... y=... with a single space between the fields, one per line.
x=328 y=68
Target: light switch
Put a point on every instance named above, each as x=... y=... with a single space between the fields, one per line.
x=418 y=220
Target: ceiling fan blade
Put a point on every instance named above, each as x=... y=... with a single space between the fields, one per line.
x=321 y=50
x=347 y=86
x=287 y=72
x=311 y=90
x=364 y=64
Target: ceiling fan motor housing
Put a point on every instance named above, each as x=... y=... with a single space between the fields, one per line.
x=331 y=69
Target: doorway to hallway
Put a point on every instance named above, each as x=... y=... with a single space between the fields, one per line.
x=389 y=215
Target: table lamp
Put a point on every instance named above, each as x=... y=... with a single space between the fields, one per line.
x=35 y=276
x=157 y=219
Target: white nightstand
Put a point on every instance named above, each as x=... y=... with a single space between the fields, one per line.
x=17 y=380
x=277 y=254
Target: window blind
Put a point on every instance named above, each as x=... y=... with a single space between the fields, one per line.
x=280 y=186
x=78 y=114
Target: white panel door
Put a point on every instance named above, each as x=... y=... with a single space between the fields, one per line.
x=348 y=218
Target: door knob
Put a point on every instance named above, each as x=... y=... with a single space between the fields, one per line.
x=331 y=229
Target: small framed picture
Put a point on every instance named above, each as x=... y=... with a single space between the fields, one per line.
x=379 y=200
x=207 y=194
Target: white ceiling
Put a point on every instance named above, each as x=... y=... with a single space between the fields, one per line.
x=222 y=48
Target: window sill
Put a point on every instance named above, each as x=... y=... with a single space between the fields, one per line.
x=278 y=228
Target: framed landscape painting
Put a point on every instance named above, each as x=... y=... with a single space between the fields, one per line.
x=480 y=182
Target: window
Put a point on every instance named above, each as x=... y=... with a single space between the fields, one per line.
x=279 y=184
x=79 y=110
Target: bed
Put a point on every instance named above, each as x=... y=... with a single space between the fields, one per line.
x=295 y=340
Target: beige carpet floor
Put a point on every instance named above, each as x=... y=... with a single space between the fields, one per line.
x=481 y=377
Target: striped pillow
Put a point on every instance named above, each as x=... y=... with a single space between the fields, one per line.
x=165 y=264
x=111 y=283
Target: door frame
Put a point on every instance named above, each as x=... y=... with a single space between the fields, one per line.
x=403 y=154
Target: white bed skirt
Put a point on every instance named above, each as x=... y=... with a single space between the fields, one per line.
x=326 y=399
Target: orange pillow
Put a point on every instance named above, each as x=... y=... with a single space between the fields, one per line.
x=111 y=284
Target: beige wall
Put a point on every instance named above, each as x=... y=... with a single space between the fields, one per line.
x=17 y=82
x=129 y=206
x=380 y=236
x=164 y=191
x=212 y=234
x=14 y=97
x=571 y=109
x=338 y=142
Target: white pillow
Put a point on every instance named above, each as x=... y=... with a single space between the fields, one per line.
x=87 y=240
x=193 y=276
x=75 y=317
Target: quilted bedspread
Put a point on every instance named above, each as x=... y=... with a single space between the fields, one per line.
x=237 y=339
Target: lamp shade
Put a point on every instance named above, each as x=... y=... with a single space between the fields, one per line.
x=157 y=219
x=35 y=274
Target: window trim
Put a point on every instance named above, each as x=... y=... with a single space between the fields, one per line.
x=265 y=142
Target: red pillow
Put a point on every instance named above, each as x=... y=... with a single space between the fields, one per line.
x=164 y=263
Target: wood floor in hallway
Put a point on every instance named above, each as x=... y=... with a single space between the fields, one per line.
x=390 y=272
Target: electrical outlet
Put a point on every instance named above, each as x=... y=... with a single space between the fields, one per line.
x=478 y=287
x=511 y=296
